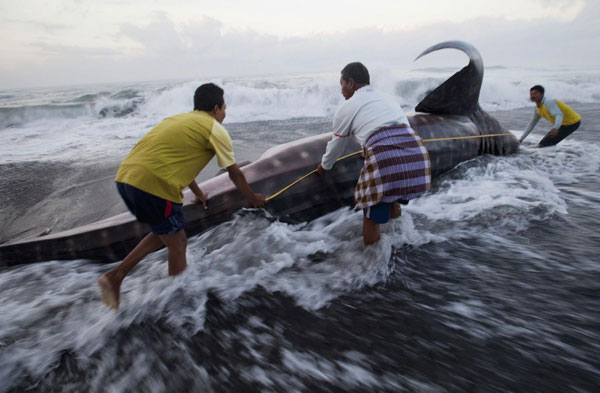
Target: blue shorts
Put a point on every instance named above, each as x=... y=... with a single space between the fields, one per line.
x=379 y=213
x=164 y=217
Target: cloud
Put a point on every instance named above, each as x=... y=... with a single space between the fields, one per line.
x=159 y=38
x=205 y=47
x=73 y=51
x=38 y=25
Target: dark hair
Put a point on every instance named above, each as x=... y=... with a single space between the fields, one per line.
x=539 y=88
x=207 y=96
x=356 y=71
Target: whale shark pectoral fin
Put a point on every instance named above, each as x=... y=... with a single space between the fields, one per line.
x=459 y=95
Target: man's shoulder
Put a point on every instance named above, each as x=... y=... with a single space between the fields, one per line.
x=195 y=115
x=218 y=128
x=367 y=91
x=193 y=119
x=203 y=120
x=362 y=95
x=371 y=93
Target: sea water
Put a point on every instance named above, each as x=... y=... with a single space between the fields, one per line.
x=489 y=282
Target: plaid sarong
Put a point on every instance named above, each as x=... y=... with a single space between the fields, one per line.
x=397 y=167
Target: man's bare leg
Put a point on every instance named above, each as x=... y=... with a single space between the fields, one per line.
x=177 y=244
x=110 y=283
x=395 y=210
x=371 y=233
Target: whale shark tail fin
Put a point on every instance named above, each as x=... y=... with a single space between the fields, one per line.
x=459 y=95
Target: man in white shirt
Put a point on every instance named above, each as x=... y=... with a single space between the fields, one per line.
x=397 y=167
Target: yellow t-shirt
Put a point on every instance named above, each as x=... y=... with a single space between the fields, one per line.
x=569 y=115
x=171 y=155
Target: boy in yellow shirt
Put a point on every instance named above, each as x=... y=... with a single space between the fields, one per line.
x=153 y=175
x=564 y=119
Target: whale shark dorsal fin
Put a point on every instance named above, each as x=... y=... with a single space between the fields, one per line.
x=459 y=94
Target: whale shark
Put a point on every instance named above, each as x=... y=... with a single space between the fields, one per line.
x=449 y=120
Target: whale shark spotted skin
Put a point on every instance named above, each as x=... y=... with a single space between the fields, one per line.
x=449 y=111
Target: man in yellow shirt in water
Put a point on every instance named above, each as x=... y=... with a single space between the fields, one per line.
x=153 y=175
x=564 y=119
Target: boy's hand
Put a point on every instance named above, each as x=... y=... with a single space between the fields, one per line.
x=258 y=200
x=321 y=170
x=201 y=198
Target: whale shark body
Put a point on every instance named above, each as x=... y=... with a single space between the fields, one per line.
x=449 y=120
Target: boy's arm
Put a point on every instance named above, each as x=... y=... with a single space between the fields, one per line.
x=555 y=111
x=530 y=126
x=342 y=122
x=238 y=178
x=200 y=197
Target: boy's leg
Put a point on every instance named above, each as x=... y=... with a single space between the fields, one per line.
x=375 y=215
x=371 y=232
x=395 y=210
x=164 y=217
x=549 y=140
x=563 y=132
x=110 y=283
x=176 y=244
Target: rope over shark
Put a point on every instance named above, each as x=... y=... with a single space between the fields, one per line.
x=449 y=116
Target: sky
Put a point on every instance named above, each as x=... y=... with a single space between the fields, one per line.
x=71 y=42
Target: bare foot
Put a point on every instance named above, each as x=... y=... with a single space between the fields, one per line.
x=109 y=292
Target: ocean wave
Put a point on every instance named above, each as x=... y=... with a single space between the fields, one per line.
x=16 y=116
x=95 y=105
x=121 y=109
x=247 y=100
x=291 y=96
x=506 y=89
x=90 y=98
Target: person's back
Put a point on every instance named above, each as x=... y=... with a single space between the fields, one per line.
x=368 y=109
x=547 y=110
x=171 y=155
x=359 y=116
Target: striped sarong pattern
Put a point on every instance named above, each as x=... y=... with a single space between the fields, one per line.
x=397 y=167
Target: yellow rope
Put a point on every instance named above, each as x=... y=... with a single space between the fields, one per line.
x=358 y=152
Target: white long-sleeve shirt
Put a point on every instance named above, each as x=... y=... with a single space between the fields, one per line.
x=365 y=112
x=554 y=110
